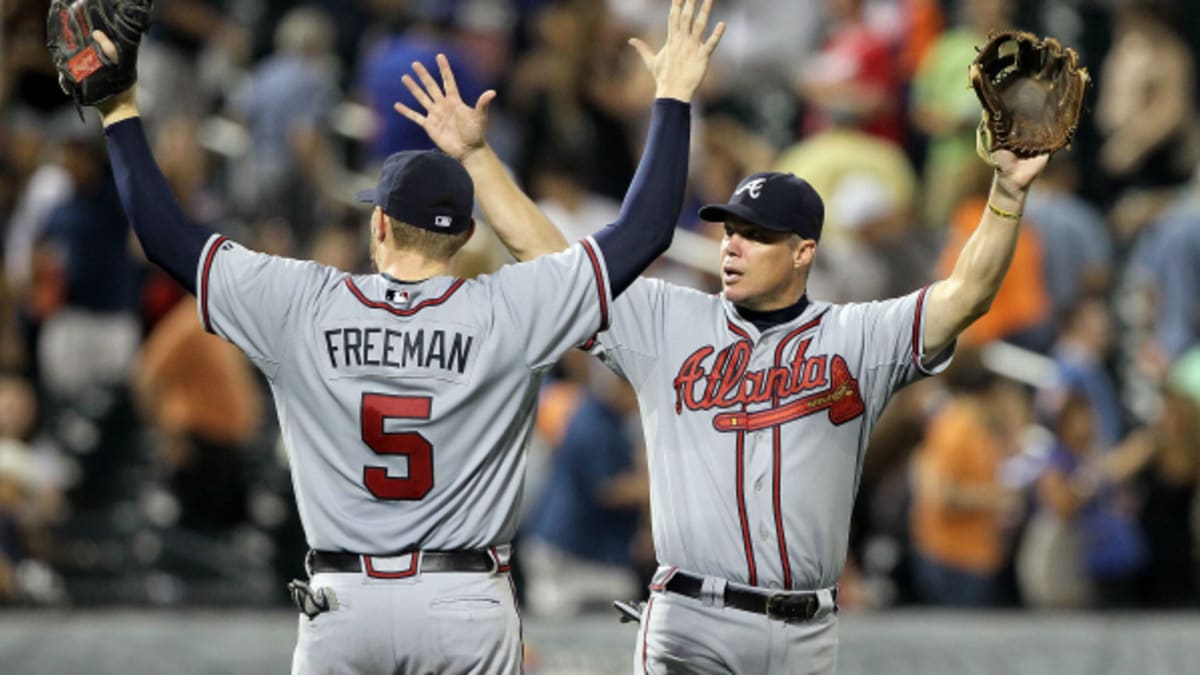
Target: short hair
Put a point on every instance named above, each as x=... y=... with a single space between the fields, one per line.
x=433 y=245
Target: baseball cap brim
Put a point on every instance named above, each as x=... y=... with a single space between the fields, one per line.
x=719 y=213
x=368 y=196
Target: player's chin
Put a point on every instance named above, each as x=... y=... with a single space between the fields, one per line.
x=734 y=289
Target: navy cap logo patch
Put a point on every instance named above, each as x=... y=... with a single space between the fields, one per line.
x=754 y=187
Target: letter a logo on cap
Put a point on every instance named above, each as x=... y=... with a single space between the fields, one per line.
x=753 y=186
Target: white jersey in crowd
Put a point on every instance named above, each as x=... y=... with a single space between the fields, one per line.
x=405 y=407
x=755 y=441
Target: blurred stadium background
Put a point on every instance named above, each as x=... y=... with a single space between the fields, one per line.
x=1034 y=510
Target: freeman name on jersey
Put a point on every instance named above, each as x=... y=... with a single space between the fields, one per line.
x=355 y=347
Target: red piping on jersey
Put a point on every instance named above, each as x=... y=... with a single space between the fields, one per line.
x=741 y=479
x=666 y=577
x=500 y=567
x=208 y=260
x=777 y=459
x=741 y=498
x=377 y=574
x=587 y=246
x=375 y=304
x=646 y=633
x=738 y=329
x=916 y=333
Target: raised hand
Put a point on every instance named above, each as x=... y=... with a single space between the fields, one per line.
x=457 y=128
x=679 y=67
x=1016 y=174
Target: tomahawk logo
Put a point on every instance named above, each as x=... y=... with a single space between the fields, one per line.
x=754 y=187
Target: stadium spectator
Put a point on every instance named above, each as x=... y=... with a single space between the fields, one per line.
x=1086 y=493
x=1146 y=101
x=852 y=78
x=201 y=395
x=577 y=548
x=1077 y=246
x=1080 y=355
x=286 y=101
x=415 y=36
x=882 y=256
x=960 y=506
x=1167 y=487
x=946 y=110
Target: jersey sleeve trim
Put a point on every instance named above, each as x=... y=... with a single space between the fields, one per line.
x=375 y=304
x=942 y=360
x=598 y=271
x=213 y=247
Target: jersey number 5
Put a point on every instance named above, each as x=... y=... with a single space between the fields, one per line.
x=376 y=408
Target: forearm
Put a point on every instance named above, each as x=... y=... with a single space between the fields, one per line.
x=169 y=239
x=520 y=224
x=646 y=224
x=975 y=280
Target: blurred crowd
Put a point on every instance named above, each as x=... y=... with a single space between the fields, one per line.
x=1055 y=465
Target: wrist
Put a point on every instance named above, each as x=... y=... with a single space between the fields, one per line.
x=676 y=93
x=1006 y=195
x=476 y=156
x=120 y=107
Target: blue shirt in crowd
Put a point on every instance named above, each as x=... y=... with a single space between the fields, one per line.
x=570 y=516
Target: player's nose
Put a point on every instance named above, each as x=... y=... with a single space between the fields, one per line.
x=732 y=244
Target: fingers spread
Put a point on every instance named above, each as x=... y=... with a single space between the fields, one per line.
x=643 y=50
x=448 y=80
x=417 y=92
x=485 y=99
x=431 y=85
x=673 y=18
x=686 y=15
x=409 y=113
x=701 y=18
x=713 y=40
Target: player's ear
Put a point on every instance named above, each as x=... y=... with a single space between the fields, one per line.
x=470 y=231
x=379 y=225
x=803 y=255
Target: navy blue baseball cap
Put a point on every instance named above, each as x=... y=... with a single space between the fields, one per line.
x=426 y=189
x=776 y=201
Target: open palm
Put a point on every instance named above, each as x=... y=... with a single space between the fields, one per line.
x=456 y=128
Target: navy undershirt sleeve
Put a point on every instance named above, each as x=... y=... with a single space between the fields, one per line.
x=169 y=238
x=646 y=224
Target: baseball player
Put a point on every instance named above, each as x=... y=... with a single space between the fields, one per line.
x=406 y=398
x=758 y=404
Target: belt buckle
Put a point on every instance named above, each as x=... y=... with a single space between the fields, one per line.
x=788 y=608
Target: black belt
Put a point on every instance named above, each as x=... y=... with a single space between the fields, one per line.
x=787 y=606
x=430 y=561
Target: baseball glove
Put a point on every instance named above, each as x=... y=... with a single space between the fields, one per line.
x=85 y=73
x=1032 y=93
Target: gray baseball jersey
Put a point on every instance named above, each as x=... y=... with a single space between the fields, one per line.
x=405 y=407
x=755 y=441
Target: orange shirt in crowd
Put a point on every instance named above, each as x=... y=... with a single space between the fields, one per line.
x=959 y=450
x=1023 y=301
x=196 y=383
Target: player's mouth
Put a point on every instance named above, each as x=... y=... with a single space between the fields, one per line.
x=730 y=275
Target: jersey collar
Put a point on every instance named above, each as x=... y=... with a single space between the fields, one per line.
x=750 y=320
